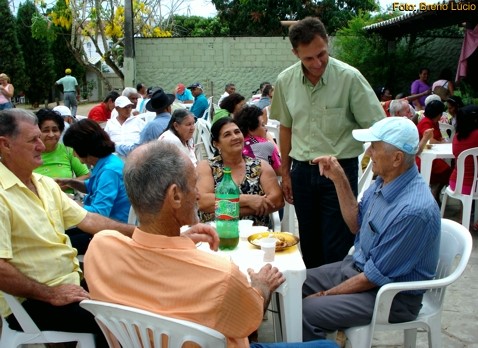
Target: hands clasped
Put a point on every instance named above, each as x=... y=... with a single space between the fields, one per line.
x=261 y=204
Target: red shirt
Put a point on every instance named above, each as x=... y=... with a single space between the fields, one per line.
x=458 y=147
x=427 y=123
x=100 y=113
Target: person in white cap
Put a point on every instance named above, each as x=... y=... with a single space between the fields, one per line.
x=68 y=119
x=397 y=235
x=124 y=128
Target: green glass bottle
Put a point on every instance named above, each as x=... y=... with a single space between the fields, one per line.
x=227 y=211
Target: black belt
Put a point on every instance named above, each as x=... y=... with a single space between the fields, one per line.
x=357 y=268
x=69 y=92
x=310 y=163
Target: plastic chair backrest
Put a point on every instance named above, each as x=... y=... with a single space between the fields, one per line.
x=460 y=170
x=455 y=250
x=203 y=136
x=134 y=328
x=365 y=180
x=447 y=130
x=32 y=334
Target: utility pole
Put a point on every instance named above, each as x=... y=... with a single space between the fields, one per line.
x=129 y=55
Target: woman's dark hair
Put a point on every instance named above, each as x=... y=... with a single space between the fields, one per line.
x=178 y=116
x=380 y=91
x=248 y=119
x=230 y=102
x=422 y=69
x=87 y=137
x=466 y=121
x=434 y=108
x=50 y=115
x=445 y=74
x=267 y=90
x=216 y=130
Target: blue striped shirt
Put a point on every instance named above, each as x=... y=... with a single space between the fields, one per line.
x=399 y=237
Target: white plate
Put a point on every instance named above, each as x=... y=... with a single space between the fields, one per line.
x=252 y=230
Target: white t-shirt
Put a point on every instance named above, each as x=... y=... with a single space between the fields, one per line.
x=188 y=149
x=126 y=133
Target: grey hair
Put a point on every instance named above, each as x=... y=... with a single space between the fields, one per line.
x=9 y=121
x=148 y=173
x=408 y=159
x=396 y=106
x=128 y=91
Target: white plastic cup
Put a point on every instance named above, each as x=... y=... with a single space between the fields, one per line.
x=268 y=246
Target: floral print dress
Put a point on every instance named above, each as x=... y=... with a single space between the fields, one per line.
x=250 y=185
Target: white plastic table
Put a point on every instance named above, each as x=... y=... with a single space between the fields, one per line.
x=428 y=155
x=290 y=263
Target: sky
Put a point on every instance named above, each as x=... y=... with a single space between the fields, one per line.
x=205 y=8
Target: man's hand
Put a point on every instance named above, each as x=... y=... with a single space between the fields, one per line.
x=287 y=188
x=62 y=295
x=267 y=280
x=203 y=233
x=329 y=167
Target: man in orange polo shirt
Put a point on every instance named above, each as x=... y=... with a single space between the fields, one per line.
x=162 y=271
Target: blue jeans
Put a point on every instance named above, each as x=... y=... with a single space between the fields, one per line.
x=324 y=235
x=310 y=344
x=6 y=106
x=69 y=99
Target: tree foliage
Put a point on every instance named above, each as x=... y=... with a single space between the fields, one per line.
x=262 y=17
x=198 y=26
x=37 y=53
x=11 y=56
x=382 y=62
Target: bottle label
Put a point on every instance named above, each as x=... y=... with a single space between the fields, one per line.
x=227 y=209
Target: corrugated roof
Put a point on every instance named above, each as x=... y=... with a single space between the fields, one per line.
x=436 y=15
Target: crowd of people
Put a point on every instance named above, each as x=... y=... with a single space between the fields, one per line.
x=63 y=181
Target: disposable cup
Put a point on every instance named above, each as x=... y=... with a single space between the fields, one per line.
x=268 y=246
x=245 y=228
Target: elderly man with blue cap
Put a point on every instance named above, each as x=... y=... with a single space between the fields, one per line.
x=397 y=235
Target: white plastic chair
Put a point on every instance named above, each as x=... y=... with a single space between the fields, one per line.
x=32 y=334
x=202 y=139
x=444 y=128
x=365 y=180
x=134 y=328
x=467 y=200
x=455 y=248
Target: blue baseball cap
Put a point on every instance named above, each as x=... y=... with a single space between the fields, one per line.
x=397 y=131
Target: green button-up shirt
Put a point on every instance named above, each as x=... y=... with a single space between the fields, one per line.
x=323 y=116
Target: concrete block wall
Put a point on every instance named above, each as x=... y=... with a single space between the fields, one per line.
x=245 y=61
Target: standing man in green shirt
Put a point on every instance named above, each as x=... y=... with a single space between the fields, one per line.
x=71 y=91
x=319 y=101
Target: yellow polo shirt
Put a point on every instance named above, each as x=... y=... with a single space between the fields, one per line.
x=323 y=116
x=32 y=230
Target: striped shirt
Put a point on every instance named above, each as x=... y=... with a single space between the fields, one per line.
x=399 y=237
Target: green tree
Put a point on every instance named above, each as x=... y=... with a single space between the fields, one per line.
x=198 y=26
x=11 y=57
x=262 y=17
x=37 y=56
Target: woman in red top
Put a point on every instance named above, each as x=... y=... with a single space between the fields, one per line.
x=441 y=171
x=466 y=138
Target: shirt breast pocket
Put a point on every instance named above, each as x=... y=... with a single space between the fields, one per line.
x=334 y=123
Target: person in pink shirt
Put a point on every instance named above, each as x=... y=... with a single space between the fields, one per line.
x=250 y=120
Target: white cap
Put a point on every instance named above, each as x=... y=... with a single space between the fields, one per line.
x=62 y=110
x=122 y=102
x=397 y=131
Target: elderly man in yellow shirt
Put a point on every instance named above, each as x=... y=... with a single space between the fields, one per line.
x=37 y=261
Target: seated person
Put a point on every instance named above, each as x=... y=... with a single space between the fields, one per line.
x=124 y=128
x=229 y=304
x=105 y=192
x=35 y=254
x=441 y=171
x=256 y=145
x=260 y=191
x=58 y=160
x=233 y=103
x=102 y=112
x=180 y=132
x=397 y=228
x=201 y=103
x=183 y=94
